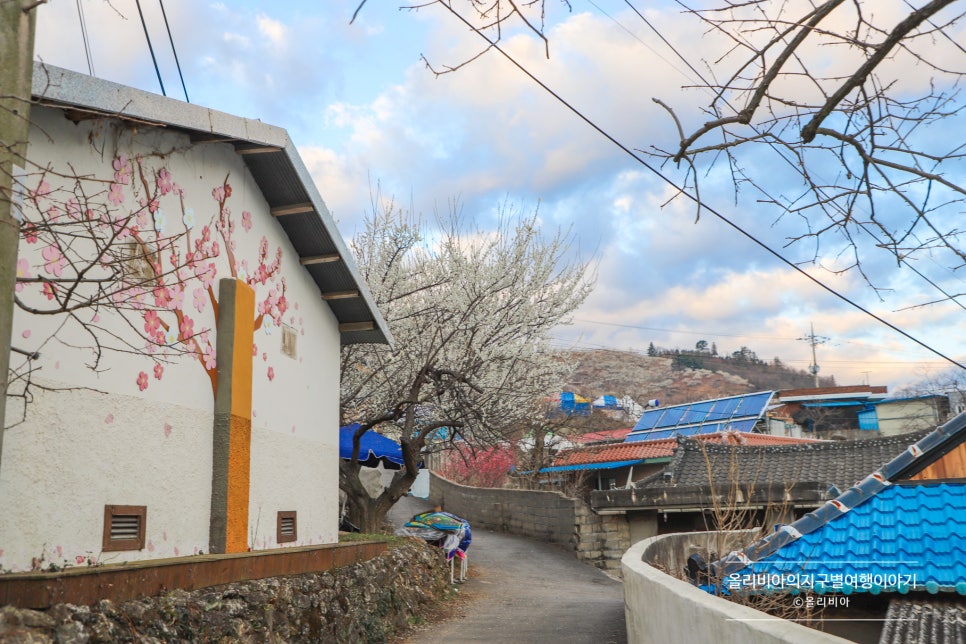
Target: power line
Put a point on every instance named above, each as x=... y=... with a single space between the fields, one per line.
x=150 y=48
x=87 y=44
x=695 y=199
x=174 y=51
x=871 y=233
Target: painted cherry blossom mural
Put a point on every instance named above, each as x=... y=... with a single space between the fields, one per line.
x=132 y=244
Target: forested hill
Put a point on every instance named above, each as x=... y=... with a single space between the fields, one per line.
x=680 y=376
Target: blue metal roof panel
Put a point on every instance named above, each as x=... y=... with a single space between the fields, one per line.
x=591 y=466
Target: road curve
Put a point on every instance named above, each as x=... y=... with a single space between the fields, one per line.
x=525 y=590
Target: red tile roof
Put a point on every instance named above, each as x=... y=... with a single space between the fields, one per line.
x=603 y=435
x=662 y=447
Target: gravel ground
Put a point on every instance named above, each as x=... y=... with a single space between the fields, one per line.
x=523 y=590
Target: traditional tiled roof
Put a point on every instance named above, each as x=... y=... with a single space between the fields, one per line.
x=603 y=435
x=924 y=620
x=906 y=537
x=878 y=517
x=839 y=463
x=663 y=448
x=802 y=474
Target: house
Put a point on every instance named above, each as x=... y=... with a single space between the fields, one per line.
x=649 y=445
x=892 y=543
x=708 y=485
x=185 y=295
x=824 y=411
x=900 y=415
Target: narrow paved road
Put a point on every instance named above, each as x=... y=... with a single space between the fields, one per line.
x=523 y=590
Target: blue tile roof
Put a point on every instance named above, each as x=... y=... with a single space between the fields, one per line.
x=920 y=526
x=906 y=537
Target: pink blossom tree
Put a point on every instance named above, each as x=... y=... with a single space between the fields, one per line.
x=129 y=247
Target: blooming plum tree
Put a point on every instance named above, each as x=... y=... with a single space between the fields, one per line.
x=471 y=313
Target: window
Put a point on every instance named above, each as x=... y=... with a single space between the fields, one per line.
x=287 y=527
x=124 y=527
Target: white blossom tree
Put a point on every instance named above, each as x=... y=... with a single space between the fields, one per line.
x=471 y=312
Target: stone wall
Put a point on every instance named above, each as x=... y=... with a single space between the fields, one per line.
x=548 y=516
x=365 y=602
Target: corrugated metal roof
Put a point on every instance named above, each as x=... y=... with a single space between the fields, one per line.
x=274 y=163
x=590 y=466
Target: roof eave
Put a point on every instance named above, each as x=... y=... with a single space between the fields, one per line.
x=68 y=90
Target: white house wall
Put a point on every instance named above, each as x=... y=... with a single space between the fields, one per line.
x=138 y=430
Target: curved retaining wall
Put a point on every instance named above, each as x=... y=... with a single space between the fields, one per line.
x=662 y=608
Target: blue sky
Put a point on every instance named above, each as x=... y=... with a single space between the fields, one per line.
x=364 y=110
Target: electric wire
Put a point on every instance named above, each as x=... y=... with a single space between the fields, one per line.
x=790 y=162
x=494 y=45
x=174 y=51
x=87 y=44
x=157 y=70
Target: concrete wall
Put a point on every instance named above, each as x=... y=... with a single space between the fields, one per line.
x=904 y=416
x=548 y=516
x=661 y=608
x=132 y=424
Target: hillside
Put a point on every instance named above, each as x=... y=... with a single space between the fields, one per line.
x=678 y=377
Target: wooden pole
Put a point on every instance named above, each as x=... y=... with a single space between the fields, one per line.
x=17 y=25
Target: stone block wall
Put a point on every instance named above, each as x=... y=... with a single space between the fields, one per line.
x=548 y=516
x=364 y=602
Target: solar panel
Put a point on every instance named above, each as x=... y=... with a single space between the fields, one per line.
x=734 y=413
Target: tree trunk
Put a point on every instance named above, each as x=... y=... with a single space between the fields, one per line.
x=363 y=511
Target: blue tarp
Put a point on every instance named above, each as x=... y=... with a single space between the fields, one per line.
x=574 y=405
x=373 y=449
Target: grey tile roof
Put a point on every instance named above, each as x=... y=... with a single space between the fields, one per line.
x=702 y=474
x=839 y=463
x=924 y=621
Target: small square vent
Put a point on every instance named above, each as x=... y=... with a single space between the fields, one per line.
x=124 y=527
x=287 y=527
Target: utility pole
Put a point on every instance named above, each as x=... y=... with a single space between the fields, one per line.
x=18 y=20
x=814 y=340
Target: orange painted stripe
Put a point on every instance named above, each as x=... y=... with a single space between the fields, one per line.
x=241 y=386
x=240 y=423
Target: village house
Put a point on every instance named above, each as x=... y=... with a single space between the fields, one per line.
x=185 y=294
x=890 y=547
